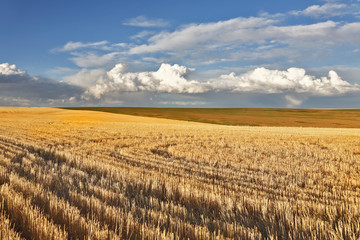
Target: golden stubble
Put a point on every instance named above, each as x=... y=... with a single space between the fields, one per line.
x=106 y=176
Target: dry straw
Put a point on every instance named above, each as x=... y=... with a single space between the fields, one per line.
x=87 y=175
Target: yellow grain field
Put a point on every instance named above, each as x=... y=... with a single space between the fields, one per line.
x=68 y=174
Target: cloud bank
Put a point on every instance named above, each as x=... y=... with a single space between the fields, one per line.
x=19 y=89
x=89 y=86
x=292 y=82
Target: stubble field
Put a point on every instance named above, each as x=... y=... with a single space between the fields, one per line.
x=68 y=174
x=274 y=117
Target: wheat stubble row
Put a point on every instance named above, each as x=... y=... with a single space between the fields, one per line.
x=96 y=175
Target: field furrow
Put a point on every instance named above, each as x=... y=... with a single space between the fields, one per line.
x=104 y=176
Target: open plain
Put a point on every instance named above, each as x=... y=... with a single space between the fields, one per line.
x=67 y=174
x=274 y=117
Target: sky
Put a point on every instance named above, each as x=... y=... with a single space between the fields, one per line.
x=260 y=53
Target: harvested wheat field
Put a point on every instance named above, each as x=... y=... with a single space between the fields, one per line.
x=67 y=174
x=274 y=117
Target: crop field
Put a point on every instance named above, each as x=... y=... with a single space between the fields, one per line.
x=68 y=174
x=331 y=118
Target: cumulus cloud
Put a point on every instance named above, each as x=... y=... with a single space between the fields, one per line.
x=119 y=85
x=293 y=80
x=142 y=21
x=19 y=88
x=167 y=79
x=7 y=69
x=293 y=83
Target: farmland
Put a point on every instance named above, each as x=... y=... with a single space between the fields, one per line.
x=69 y=174
x=276 y=117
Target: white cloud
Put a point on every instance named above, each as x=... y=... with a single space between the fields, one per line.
x=19 y=88
x=7 y=69
x=142 y=21
x=168 y=79
x=142 y=34
x=122 y=45
x=293 y=80
x=118 y=84
x=254 y=40
x=351 y=74
x=14 y=101
x=294 y=83
x=292 y=101
x=85 y=77
x=298 y=33
x=71 y=46
x=210 y=43
x=90 y=59
x=349 y=33
x=237 y=30
x=152 y=59
x=61 y=71
x=326 y=10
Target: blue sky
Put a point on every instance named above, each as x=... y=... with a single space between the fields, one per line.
x=180 y=53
